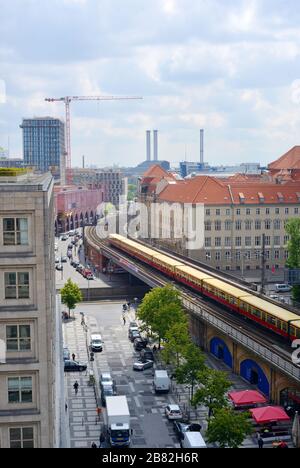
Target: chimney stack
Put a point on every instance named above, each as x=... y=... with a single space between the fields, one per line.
x=202 y=147
x=148 y=137
x=155 y=142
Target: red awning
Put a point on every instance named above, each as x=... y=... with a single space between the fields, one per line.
x=269 y=414
x=247 y=397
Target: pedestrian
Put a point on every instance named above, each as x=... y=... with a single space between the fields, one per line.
x=73 y=356
x=93 y=446
x=101 y=439
x=128 y=305
x=260 y=441
x=66 y=407
x=124 y=307
x=124 y=319
x=76 y=387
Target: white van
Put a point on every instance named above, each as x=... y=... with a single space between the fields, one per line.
x=193 y=440
x=96 y=342
x=161 y=382
x=283 y=288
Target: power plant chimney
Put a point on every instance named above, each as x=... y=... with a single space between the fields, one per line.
x=202 y=147
x=83 y=162
x=148 y=137
x=155 y=143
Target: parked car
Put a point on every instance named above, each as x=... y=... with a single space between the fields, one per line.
x=96 y=343
x=79 y=268
x=71 y=233
x=105 y=378
x=283 y=288
x=65 y=237
x=66 y=353
x=180 y=428
x=142 y=365
x=64 y=260
x=57 y=260
x=74 y=366
x=147 y=354
x=106 y=390
x=133 y=325
x=161 y=381
x=59 y=267
x=140 y=343
x=173 y=412
x=132 y=330
x=70 y=246
x=134 y=335
x=74 y=263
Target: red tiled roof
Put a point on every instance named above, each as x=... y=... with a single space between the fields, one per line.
x=212 y=191
x=290 y=160
x=157 y=171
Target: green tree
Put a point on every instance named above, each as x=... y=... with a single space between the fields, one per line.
x=177 y=339
x=190 y=370
x=160 y=309
x=228 y=429
x=293 y=230
x=213 y=392
x=71 y=295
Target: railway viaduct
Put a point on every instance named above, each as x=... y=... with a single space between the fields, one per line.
x=268 y=368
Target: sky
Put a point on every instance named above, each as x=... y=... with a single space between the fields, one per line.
x=231 y=67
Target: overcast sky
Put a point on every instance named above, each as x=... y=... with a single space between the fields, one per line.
x=227 y=66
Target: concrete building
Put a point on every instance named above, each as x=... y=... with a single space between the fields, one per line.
x=44 y=143
x=112 y=181
x=29 y=319
x=238 y=211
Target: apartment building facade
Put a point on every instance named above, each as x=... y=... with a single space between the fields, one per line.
x=238 y=216
x=28 y=314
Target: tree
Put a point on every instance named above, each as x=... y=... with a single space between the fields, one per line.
x=190 y=371
x=71 y=295
x=228 y=429
x=160 y=309
x=177 y=339
x=293 y=229
x=213 y=392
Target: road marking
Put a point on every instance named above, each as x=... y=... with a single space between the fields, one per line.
x=136 y=399
x=132 y=387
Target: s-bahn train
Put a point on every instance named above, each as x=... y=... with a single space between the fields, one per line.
x=267 y=314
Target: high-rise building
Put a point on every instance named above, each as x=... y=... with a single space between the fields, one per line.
x=43 y=143
x=31 y=395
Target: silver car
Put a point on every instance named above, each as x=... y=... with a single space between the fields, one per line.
x=141 y=366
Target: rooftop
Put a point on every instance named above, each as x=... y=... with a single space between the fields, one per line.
x=18 y=180
x=289 y=161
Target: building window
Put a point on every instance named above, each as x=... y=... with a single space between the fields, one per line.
x=276 y=240
x=267 y=240
x=207 y=212
x=218 y=212
x=218 y=256
x=218 y=225
x=238 y=241
x=277 y=211
x=16 y=285
x=228 y=225
x=21 y=438
x=207 y=225
x=238 y=212
x=258 y=211
x=248 y=241
x=227 y=212
x=286 y=210
x=267 y=211
x=208 y=256
x=228 y=241
x=18 y=338
x=257 y=254
x=258 y=225
x=286 y=254
x=20 y=390
x=15 y=231
x=277 y=224
x=268 y=224
x=248 y=225
x=207 y=241
x=277 y=254
x=296 y=210
x=228 y=255
x=248 y=211
x=218 y=242
x=286 y=240
x=238 y=255
x=238 y=225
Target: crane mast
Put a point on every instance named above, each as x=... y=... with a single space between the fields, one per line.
x=67 y=101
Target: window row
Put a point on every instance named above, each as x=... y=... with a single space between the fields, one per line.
x=248 y=225
x=244 y=256
x=252 y=211
x=247 y=241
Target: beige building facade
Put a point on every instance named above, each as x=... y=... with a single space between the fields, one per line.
x=28 y=317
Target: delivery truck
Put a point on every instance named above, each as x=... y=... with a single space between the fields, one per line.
x=118 y=421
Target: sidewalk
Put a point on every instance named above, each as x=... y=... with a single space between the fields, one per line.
x=84 y=425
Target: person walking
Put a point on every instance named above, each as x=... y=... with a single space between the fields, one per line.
x=93 y=446
x=73 y=357
x=76 y=387
x=101 y=439
x=260 y=441
x=124 y=319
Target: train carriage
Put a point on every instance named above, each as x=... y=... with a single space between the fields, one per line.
x=191 y=277
x=165 y=263
x=223 y=292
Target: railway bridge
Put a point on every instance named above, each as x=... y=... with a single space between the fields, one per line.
x=259 y=356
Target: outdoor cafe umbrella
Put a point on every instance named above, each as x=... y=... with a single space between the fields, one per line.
x=269 y=414
x=247 y=397
x=296 y=431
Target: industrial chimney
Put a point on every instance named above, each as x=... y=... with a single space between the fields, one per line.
x=148 y=138
x=155 y=143
x=202 y=147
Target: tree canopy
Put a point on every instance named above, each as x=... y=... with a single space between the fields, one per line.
x=293 y=229
x=228 y=429
x=71 y=295
x=189 y=372
x=213 y=391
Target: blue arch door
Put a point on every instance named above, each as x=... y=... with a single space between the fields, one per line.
x=219 y=349
x=252 y=372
